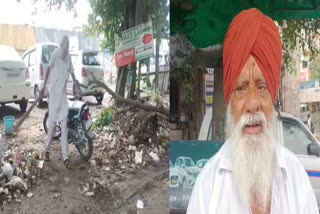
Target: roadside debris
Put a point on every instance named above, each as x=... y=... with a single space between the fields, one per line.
x=29 y=195
x=154 y=156
x=19 y=171
x=139 y=207
x=137 y=138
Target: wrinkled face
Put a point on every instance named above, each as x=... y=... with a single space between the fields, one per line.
x=250 y=96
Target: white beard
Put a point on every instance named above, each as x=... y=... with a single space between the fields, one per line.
x=253 y=158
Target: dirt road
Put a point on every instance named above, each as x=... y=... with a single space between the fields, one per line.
x=59 y=190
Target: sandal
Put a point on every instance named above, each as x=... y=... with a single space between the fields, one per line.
x=67 y=164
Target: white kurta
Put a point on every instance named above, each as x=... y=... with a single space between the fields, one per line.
x=59 y=74
x=215 y=190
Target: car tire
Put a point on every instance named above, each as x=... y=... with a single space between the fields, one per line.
x=99 y=98
x=23 y=105
x=37 y=95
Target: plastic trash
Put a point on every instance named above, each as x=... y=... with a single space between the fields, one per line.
x=17 y=183
x=138 y=157
x=139 y=207
x=7 y=171
x=154 y=156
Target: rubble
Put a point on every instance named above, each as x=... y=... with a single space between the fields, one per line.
x=17 y=183
x=135 y=134
x=89 y=194
x=19 y=171
x=7 y=171
x=30 y=194
x=154 y=156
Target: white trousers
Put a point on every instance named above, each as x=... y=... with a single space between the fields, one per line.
x=63 y=139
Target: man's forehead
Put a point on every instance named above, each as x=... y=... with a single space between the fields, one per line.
x=251 y=70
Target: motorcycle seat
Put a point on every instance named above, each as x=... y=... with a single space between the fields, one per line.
x=73 y=111
x=74 y=108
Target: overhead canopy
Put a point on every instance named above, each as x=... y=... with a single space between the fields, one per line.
x=205 y=22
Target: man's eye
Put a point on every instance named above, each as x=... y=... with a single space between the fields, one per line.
x=262 y=87
x=241 y=88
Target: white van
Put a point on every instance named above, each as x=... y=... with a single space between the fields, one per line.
x=37 y=59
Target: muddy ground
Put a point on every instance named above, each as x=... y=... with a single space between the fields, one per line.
x=60 y=190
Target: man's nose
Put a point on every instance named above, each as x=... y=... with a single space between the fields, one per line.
x=252 y=104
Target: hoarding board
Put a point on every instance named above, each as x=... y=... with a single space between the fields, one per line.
x=187 y=159
x=140 y=38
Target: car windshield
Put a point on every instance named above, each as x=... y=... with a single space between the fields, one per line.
x=47 y=51
x=189 y=162
x=90 y=59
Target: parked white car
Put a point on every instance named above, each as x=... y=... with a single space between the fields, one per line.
x=86 y=63
x=293 y=134
x=187 y=172
x=37 y=59
x=15 y=82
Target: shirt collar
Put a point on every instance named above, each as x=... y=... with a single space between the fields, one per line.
x=226 y=163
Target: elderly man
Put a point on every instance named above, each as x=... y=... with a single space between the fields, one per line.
x=252 y=173
x=59 y=68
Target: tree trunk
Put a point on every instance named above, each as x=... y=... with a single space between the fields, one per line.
x=139 y=79
x=121 y=83
x=157 y=63
x=133 y=81
x=122 y=74
x=146 y=107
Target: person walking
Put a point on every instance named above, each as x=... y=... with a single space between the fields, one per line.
x=310 y=124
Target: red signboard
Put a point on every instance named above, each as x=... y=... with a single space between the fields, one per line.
x=125 y=57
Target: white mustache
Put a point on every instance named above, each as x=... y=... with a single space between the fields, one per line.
x=252 y=119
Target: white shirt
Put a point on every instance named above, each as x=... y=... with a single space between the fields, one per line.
x=59 y=74
x=215 y=191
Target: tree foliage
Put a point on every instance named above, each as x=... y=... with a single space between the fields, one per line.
x=109 y=17
x=299 y=35
x=57 y=4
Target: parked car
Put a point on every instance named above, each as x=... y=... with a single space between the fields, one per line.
x=86 y=63
x=304 y=111
x=14 y=78
x=293 y=134
x=187 y=172
x=37 y=59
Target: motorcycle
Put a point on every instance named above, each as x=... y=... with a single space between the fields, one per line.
x=79 y=125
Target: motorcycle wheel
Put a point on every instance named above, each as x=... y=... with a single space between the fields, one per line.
x=85 y=149
x=57 y=131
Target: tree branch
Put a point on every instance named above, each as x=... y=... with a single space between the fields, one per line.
x=134 y=103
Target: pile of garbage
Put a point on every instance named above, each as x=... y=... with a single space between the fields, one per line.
x=19 y=171
x=135 y=138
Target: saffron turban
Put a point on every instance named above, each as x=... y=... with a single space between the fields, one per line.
x=253 y=33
